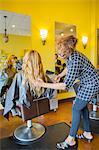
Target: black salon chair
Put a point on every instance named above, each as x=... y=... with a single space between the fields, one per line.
x=29 y=132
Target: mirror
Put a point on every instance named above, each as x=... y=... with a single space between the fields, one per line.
x=61 y=30
x=18 y=30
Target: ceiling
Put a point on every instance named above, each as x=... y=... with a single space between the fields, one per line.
x=21 y=23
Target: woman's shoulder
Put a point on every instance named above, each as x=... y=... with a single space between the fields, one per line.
x=79 y=54
x=76 y=55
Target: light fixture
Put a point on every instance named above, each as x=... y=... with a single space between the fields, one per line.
x=62 y=34
x=84 y=41
x=13 y=26
x=5 y=37
x=43 y=34
x=71 y=30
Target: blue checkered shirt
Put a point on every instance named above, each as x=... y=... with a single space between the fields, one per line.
x=79 y=67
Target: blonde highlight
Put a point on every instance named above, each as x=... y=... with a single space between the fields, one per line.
x=33 y=69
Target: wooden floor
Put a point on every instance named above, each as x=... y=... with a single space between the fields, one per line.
x=63 y=114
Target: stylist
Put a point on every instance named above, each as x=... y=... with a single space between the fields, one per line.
x=78 y=67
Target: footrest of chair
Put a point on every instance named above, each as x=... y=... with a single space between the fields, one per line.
x=24 y=135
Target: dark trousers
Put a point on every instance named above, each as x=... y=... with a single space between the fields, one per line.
x=79 y=108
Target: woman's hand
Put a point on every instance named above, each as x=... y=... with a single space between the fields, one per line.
x=38 y=82
x=57 y=78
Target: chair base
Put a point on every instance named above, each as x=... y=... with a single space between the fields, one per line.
x=26 y=135
x=94 y=115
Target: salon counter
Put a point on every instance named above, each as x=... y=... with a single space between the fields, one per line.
x=65 y=95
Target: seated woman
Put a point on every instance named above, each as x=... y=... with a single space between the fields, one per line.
x=32 y=69
x=6 y=76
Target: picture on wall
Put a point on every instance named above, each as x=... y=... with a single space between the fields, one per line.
x=18 y=33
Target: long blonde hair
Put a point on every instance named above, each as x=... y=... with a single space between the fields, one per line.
x=32 y=68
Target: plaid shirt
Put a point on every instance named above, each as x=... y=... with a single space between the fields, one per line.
x=79 y=67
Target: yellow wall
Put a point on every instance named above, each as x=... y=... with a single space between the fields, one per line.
x=97 y=13
x=97 y=27
x=16 y=44
x=44 y=13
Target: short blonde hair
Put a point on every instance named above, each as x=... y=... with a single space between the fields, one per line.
x=9 y=61
x=69 y=41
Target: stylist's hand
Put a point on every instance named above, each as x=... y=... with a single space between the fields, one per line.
x=39 y=82
x=57 y=78
x=36 y=83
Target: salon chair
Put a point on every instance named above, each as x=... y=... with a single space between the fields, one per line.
x=29 y=132
x=94 y=114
